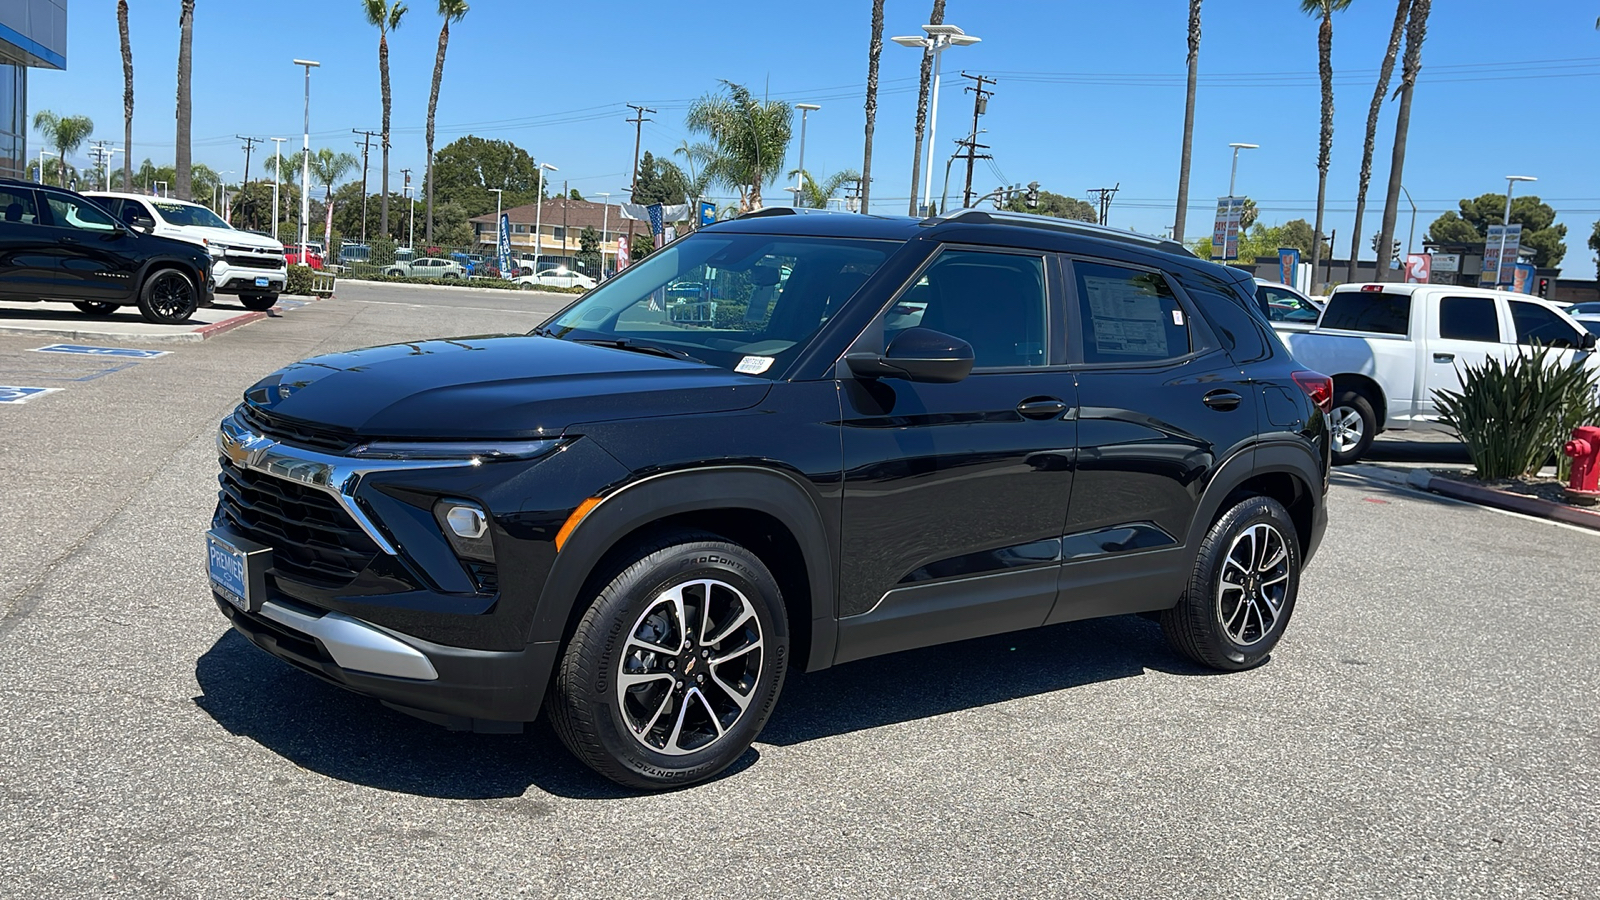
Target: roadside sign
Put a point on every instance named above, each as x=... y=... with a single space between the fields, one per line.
x=1225 y=230
x=708 y=213
x=1288 y=265
x=504 y=245
x=1446 y=262
x=85 y=350
x=1419 y=268
x=1500 y=269
x=622 y=253
x=18 y=395
x=1522 y=278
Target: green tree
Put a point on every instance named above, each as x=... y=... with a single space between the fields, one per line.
x=874 y=53
x=127 y=91
x=1249 y=213
x=641 y=246
x=465 y=169
x=588 y=257
x=385 y=16
x=1594 y=234
x=65 y=133
x=1324 y=9
x=182 y=181
x=574 y=194
x=817 y=195
x=1058 y=205
x=934 y=18
x=450 y=11
x=660 y=181
x=1537 y=218
x=1416 y=33
x=750 y=137
x=327 y=169
x=1379 y=91
x=697 y=157
x=1188 y=122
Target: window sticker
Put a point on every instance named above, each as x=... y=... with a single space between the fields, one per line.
x=753 y=365
x=1177 y=317
x=1126 y=317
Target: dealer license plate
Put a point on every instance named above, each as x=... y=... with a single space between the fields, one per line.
x=229 y=568
x=262 y=282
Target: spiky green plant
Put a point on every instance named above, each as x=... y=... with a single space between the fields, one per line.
x=1513 y=416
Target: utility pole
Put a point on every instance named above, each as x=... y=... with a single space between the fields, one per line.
x=249 y=144
x=411 y=238
x=366 y=149
x=566 y=198
x=980 y=103
x=638 y=133
x=1103 y=200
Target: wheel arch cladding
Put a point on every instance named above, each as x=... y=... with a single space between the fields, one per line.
x=764 y=511
x=1286 y=472
x=1368 y=388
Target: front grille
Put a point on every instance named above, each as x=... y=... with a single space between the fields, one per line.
x=300 y=434
x=255 y=261
x=312 y=538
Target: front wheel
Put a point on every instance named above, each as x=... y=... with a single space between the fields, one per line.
x=1242 y=589
x=95 y=307
x=451 y=275
x=259 y=302
x=168 y=298
x=676 y=666
x=1351 y=427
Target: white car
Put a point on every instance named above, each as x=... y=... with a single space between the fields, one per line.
x=562 y=277
x=1287 y=308
x=426 y=267
x=249 y=265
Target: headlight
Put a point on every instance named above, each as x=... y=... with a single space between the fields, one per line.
x=474 y=451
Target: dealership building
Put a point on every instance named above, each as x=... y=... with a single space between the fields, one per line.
x=33 y=34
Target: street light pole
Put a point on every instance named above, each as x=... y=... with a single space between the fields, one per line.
x=538 y=219
x=605 y=225
x=1412 y=235
x=42 y=154
x=800 y=173
x=411 y=234
x=1235 y=173
x=277 y=176
x=938 y=39
x=305 y=163
x=1505 y=224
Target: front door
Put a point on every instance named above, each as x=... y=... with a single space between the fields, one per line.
x=954 y=494
x=27 y=259
x=1161 y=406
x=96 y=257
x=1466 y=332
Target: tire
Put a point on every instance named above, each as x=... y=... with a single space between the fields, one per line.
x=168 y=298
x=395 y=273
x=259 y=302
x=95 y=307
x=524 y=286
x=1351 y=426
x=451 y=275
x=674 y=726
x=1212 y=624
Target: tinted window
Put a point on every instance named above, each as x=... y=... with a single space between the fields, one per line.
x=993 y=301
x=1538 y=325
x=1286 y=306
x=1469 y=319
x=1373 y=311
x=1234 y=315
x=17 y=206
x=68 y=211
x=186 y=214
x=1128 y=316
x=1594 y=327
x=1585 y=309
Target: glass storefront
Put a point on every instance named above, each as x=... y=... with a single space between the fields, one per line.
x=13 y=121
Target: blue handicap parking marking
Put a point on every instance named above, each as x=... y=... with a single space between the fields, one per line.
x=13 y=394
x=84 y=350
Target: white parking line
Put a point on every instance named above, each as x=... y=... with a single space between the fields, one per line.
x=12 y=394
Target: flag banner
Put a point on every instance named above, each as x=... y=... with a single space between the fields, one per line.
x=1288 y=264
x=708 y=212
x=1225 y=230
x=622 y=253
x=1419 y=268
x=327 y=230
x=1500 y=267
x=505 y=245
x=670 y=212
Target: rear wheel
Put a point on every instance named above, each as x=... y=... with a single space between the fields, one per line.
x=168 y=298
x=259 y=302
x=95 y=307
x=676 y=665
x=1351 y=425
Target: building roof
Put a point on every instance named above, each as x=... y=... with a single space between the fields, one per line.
x=579 y=214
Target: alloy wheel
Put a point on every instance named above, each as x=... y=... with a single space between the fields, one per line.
x=1347 y=428
x=170 y=296
x=1254 y=584
x=690 y=667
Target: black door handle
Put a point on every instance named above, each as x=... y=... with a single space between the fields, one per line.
x=1041 y=408
x=68 y=239
x=1444 y=357
x=1222 y=400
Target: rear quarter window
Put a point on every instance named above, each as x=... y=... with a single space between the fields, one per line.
x=1374 y=311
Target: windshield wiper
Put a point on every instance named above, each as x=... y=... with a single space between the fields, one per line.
x=637 y=347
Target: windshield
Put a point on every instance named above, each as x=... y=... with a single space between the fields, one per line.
x=747 y=302
x=184 y=214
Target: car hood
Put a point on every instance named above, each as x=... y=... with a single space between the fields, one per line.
x=226 y=236
x=501 y=386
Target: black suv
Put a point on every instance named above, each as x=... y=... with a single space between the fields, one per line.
x=787 y=440
x=58 y=245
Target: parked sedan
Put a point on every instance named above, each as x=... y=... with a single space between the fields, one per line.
x=565 y=278
x=297 y=257
x=426 y=267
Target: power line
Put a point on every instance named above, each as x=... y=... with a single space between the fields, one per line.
x=980 y=105
x=366 y=149
x=1103 y=200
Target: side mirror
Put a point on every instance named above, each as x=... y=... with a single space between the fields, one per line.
x=917 y=354
x=1588 y=341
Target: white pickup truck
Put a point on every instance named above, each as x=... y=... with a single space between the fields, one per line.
x=1388 y=347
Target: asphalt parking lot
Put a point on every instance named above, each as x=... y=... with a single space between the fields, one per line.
x=1428 y=728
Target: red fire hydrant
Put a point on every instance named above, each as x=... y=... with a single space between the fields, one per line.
x=1584 y=448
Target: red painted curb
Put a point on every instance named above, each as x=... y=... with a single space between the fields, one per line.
x=1521 y=503
x=216 y=328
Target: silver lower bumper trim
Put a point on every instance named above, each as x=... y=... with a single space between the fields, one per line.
x=355 y=645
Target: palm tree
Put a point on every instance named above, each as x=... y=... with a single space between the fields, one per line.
x=452 y=11
x=1188 y=121
x=181 y=179
x=817 y=195
x=385 y=15
x=1385 y=73
x=1325 y=9
x=127 y=92
x=937 y=18
x=1416 y=32
x=699 y=158
x=874 y=51
x=65 y=133
x=750 y=138
x=327 y=169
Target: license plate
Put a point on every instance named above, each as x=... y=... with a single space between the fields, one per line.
x=262 y=282
x=237 y=573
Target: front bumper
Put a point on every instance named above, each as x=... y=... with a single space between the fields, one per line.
x=460 y=688
x=232 y=280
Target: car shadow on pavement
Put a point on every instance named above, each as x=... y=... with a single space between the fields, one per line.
x=1416 y=452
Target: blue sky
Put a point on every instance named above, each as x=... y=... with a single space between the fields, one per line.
x=1089 y=94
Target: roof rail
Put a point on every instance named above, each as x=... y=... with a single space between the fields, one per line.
x=788 y=211
x=971 y=215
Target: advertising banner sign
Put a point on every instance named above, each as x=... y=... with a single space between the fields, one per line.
x=1496 y=266
x=622 y=253
x=504 y=245
x=327 y=231
x=708 y=212
x=1288 y=265
x=1522 y=278
x=1446 y=262
x=1419 y=268
x=1225 y=230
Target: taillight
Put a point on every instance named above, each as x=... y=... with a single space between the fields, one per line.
x=1317 y=386
x=1375 y=288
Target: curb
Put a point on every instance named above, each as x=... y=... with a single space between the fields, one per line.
x=1517 y=503
x=449 y=287
x=216 y=328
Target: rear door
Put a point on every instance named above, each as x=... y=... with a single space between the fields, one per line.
x=1463 y=330
x=28 y=261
